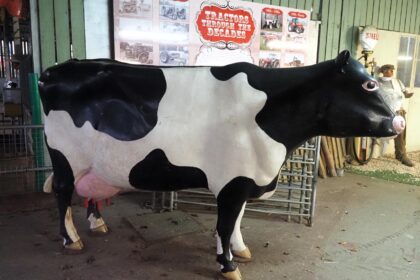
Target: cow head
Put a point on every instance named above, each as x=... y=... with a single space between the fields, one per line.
x=354 y=105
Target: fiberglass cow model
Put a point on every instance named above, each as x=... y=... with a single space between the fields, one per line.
x=113 y=127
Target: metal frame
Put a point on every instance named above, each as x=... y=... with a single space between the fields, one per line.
x=23 y=159
x=295 y=194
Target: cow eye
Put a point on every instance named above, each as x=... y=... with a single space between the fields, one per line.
x=370 y=85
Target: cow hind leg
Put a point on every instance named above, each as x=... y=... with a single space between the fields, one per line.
x=63 y=186
x=97 y=224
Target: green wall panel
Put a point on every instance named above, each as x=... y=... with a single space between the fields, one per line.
x=78 y=28
x=47 y=33
x=340 y=21
x=62 y=30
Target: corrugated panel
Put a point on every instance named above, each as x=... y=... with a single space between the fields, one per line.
x=369 y=12
x=392 y=15
x=316 y=13
x=62 y=30
x=381 y=11
x=301 y=4
x=347 y=40
x=78 y=29
x=46 y=33
x=397 y=16
x=323 y=30
x=403 y=16
x=376 y=12
x=362 y=11
x=386 y=14
x=413 y=16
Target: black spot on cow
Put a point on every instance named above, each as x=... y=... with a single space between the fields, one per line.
x=116 y=98
x=156 y=173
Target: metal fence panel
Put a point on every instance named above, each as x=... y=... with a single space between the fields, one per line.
x=23 y=159
x=295 y=194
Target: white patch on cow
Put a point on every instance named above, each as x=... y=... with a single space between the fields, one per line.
x=202 y=122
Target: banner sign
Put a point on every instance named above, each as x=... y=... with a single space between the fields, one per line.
x=212 y=32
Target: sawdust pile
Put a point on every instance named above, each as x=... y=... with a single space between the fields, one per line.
x=388 y=162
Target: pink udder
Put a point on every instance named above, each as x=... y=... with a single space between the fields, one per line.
x=91 y=186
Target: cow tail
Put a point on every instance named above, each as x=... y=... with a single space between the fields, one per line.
x=48 y=184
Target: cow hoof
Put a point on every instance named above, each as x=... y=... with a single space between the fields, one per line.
x=101 y=230
x=73 y=248
x=232 y=275
x=242 y=256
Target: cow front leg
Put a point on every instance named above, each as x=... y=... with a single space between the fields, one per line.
x=97 y=224
x=239 y=249
x=63 y=186
x=229 y=210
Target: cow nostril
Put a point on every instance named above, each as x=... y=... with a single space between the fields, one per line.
x=398 y=124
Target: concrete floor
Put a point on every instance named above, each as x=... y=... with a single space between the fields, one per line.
x=364 y=228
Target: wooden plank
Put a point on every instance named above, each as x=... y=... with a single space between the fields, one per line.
x=333 y=147
x=78 y=29
x=323 y=32
x=322 y=171
x=413 y=16
x=62 y=30
x=341 y=157
x=328 y=157
x=46 y=33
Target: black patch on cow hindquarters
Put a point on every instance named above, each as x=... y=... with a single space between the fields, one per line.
x=118 y=99
x=156 y=173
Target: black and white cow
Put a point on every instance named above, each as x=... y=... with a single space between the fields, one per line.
x=113 y=127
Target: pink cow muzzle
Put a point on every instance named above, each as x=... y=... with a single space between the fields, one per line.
x=398 y=123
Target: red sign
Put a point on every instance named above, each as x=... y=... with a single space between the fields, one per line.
x=272 y=11
x=217 y=24
x=297 y=14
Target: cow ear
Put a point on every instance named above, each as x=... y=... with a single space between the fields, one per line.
x=342 y=60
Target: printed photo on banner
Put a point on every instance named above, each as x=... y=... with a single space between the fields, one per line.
x=212 y=32
x=297 y=26
x=135 y=38
x=177 y=10
x=269 y=60
x=135 y=8
x=294 y=59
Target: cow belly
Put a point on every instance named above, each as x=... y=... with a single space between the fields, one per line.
x=91 y=186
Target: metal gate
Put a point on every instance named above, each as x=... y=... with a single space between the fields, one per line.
x=23 y=159
x=295 y=194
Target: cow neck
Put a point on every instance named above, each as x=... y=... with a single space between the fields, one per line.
x=295 y=103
